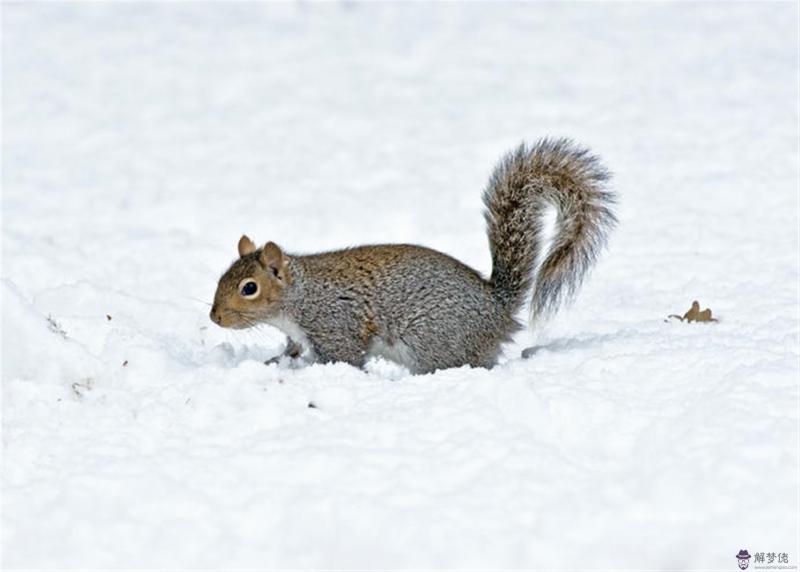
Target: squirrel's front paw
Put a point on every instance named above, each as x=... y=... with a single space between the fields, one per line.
x=295 y=354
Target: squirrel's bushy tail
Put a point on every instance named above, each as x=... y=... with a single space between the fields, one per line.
x=551 y=173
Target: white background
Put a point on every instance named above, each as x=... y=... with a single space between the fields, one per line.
x=141 y=140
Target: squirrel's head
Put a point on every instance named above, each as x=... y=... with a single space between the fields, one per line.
x=250 y=290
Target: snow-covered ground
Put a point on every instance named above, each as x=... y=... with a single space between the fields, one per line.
x=141 y=140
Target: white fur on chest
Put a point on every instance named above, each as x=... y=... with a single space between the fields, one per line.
x=292 y=330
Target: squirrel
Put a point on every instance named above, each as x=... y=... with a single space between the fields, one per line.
x=423 y=308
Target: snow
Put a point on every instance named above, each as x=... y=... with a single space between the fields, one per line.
x=141 y=140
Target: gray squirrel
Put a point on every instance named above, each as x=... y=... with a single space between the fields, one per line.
x=420 y=307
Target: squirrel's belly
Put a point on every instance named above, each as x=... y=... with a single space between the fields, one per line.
x=398 y=352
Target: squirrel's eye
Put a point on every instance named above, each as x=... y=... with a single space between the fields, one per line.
x=249 y=289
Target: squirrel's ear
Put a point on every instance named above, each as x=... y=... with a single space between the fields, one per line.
x=246 y=246
x=271 y=258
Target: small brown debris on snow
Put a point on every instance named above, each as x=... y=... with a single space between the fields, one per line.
x=695 y=315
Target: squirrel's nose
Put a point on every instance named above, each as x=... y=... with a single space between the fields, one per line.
x=215 y=315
